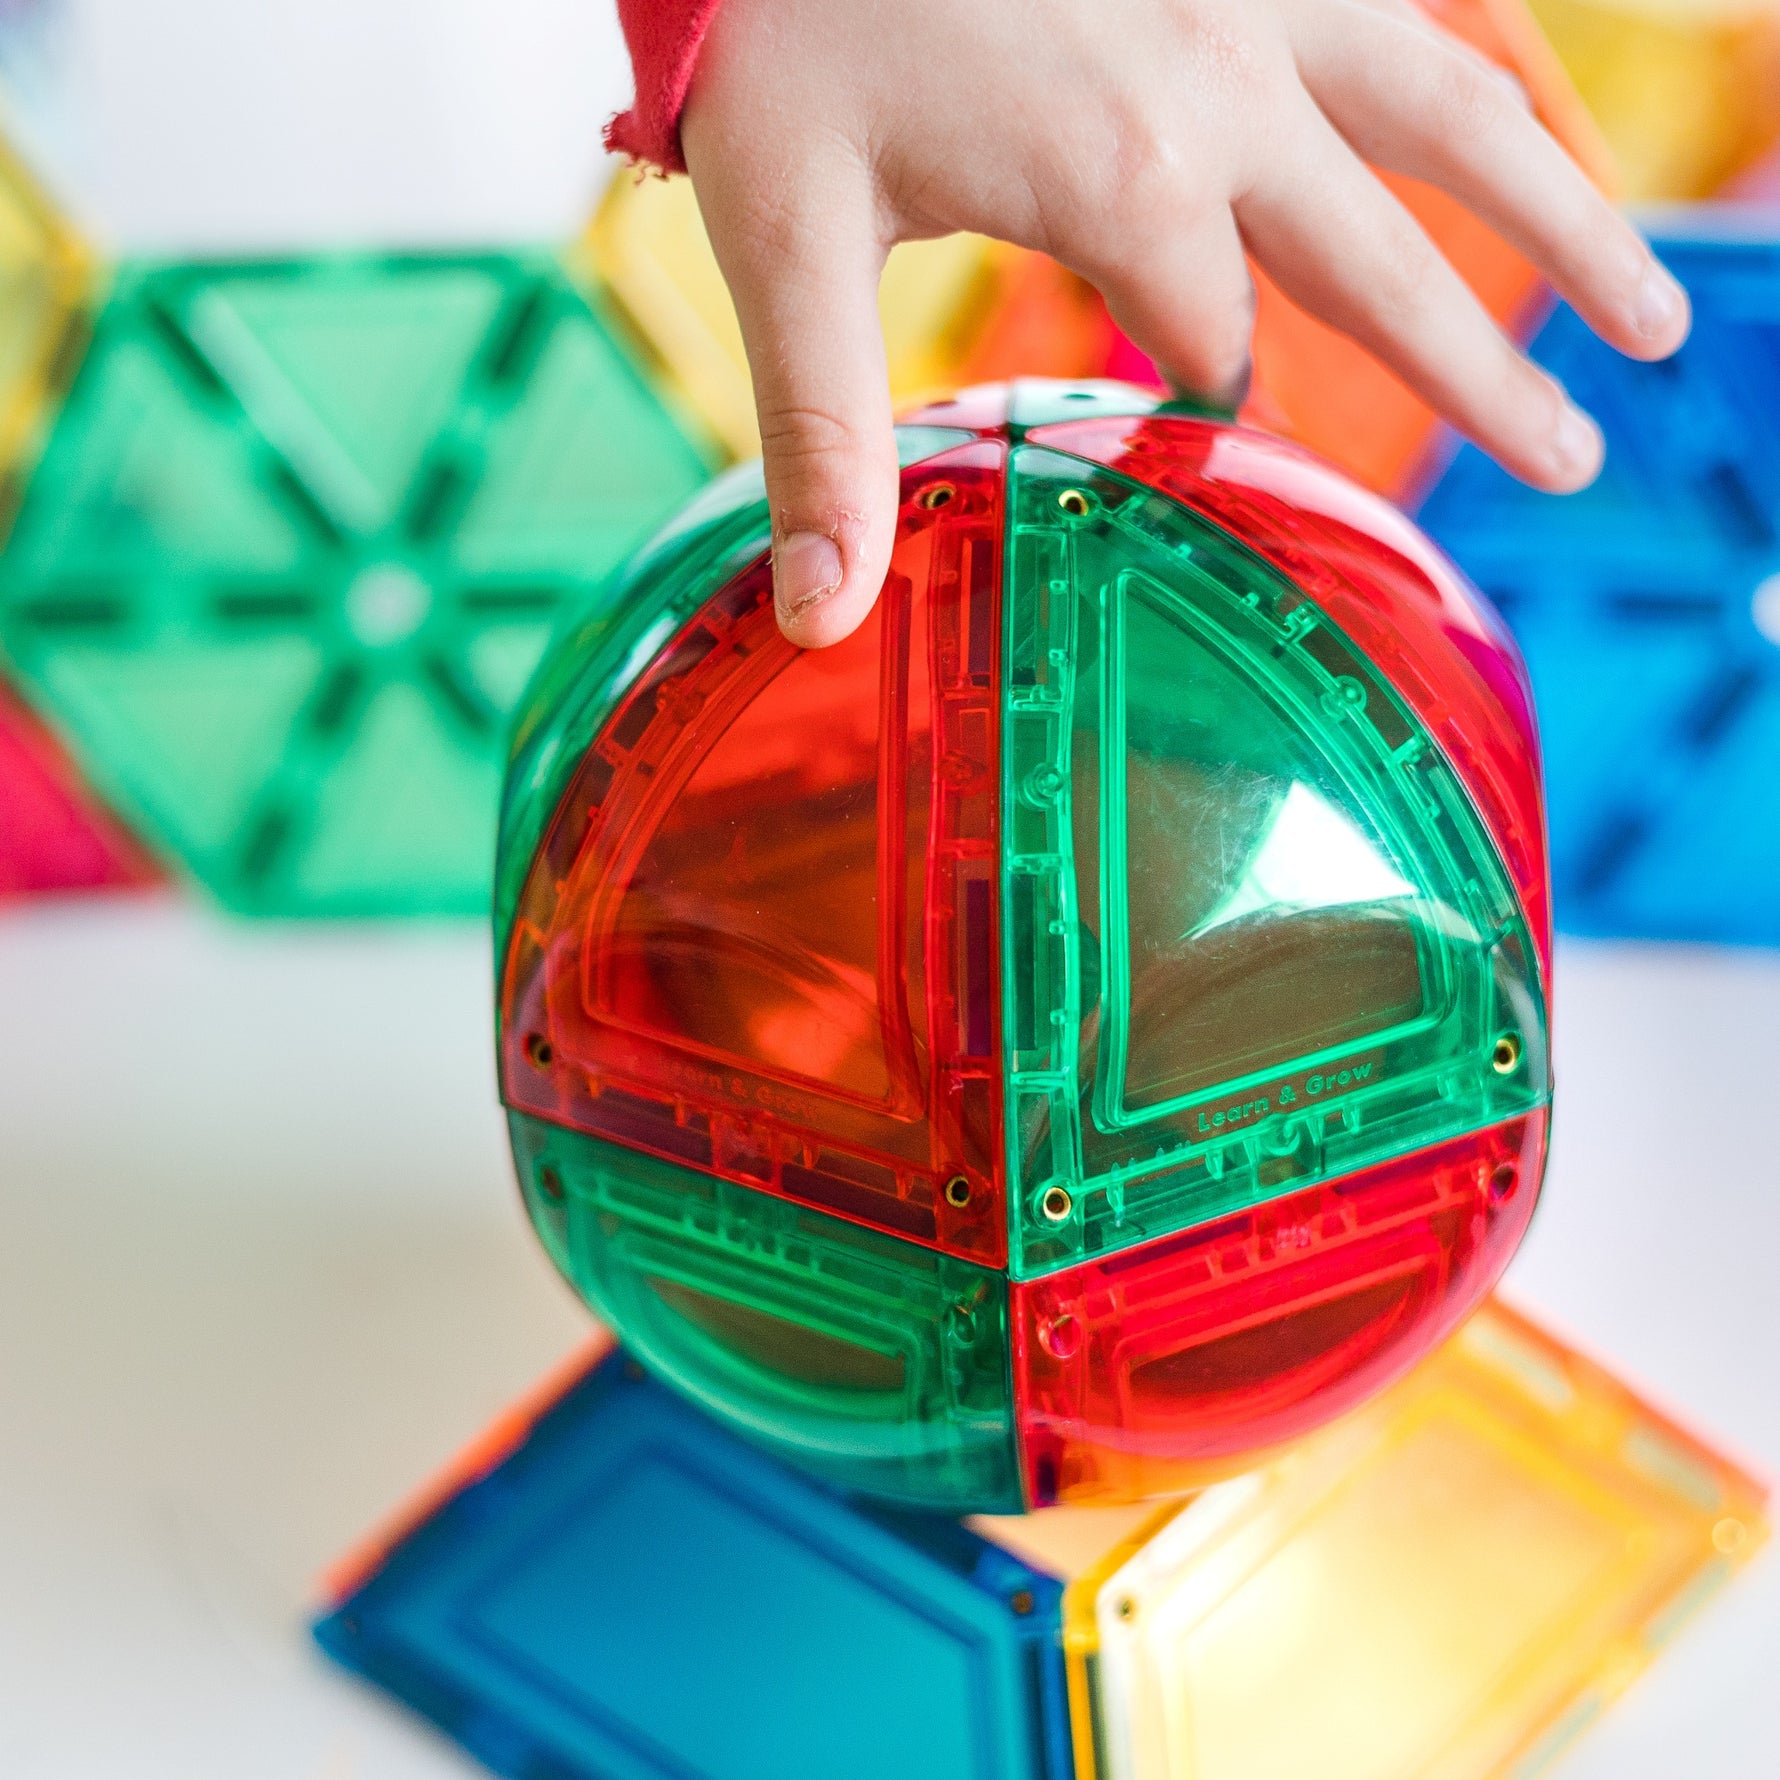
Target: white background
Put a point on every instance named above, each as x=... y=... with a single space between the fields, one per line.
x=262 y=1267
x=186 y=125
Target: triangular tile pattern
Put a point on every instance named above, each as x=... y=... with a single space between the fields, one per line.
x=297 y=542
x=1649 y=613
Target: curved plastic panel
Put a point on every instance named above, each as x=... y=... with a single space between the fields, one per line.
x=1255 y=934
x=760 y=936
x=1149 y=1372
x=877 y=1363
x=592 y=665
x=720 y=532
x=1027 y=402
x=1436 y=641
x=628 y=1593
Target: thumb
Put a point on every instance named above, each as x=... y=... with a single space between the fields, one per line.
x=805 y=284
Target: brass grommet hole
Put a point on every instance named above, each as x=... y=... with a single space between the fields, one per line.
x=1505 y=1058
x=1073 y=502
x=1021 y=1601
x=1056 y=1204
x=957 y=1191
x=1125 y=1607
x=550 y=1183
x=538 y=1051
x=936 y=494
x=1502 y=1179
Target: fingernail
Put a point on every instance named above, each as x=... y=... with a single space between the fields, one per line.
x=1576 y=446
x=806 y=570
x=1659 y=303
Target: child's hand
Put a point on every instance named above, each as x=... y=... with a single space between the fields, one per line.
x=1146 y=144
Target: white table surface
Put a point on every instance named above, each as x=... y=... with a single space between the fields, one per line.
x=262 y=1269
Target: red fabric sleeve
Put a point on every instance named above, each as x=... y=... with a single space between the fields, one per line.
x=664 y=38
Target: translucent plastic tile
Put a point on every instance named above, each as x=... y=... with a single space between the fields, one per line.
x=1143 y=913
x=45 y=275
x=1665 y=815
x=297 y=543
x=621 y=1591
x=1254 y=933
x=722 y=532
x=1684 y=95
x=1448 y=1585
x=955 y=310
x=1168 y=1365
x=764 y=920
x=881 y=1364
x=1446 y=652
x=54 y=833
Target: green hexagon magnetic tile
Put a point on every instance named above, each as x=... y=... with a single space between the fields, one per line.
x=297 y=540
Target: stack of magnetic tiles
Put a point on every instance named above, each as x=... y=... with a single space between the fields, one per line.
x=1451 y=1583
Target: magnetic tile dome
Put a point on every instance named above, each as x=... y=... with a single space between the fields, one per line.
x=1084 y=1029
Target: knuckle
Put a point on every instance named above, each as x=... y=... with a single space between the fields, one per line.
x=794 y=435
x=1463 y=103
x=1406 y=276
x=1228 y=65
x=1144 y=165
x=767 y=220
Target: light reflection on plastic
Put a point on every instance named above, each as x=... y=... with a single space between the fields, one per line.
x=1310 y=856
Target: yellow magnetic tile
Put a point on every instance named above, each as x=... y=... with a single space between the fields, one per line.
x=646 y=248
x=1441 y=1587
x=1686 y=92
x=45 y=272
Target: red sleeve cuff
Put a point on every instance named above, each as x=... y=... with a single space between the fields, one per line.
x=664 y=38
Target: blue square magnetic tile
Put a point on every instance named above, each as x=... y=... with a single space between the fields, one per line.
x=1648 y=606
x=632 y=1594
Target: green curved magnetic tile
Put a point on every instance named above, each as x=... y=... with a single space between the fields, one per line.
x=1254 y=932
x=879 y=1363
